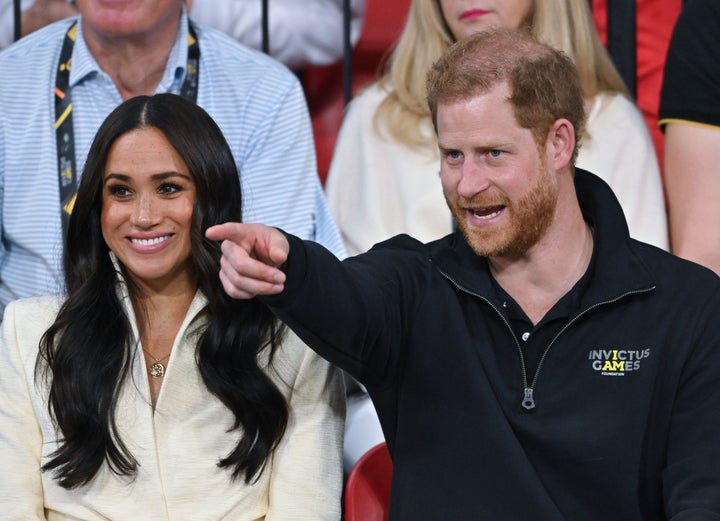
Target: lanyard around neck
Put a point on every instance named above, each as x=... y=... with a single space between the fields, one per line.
x=65 y=137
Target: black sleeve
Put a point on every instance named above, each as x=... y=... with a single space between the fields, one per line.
x=691 y=81
x=353 y=313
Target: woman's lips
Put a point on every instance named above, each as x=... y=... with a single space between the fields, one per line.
x=473 y=13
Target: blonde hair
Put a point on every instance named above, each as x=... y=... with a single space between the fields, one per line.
x=566 y=25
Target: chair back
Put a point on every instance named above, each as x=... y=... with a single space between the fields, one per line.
x=367 y=490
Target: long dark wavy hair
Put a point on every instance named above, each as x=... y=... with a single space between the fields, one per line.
x=87 y=353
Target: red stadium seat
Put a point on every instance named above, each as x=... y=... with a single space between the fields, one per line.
x=367 y=490
x=382 y=25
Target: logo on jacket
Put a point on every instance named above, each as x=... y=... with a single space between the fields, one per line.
x=617 y=362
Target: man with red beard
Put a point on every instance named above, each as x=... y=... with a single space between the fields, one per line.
x=536 y=364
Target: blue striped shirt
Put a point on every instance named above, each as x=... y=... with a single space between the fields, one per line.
x=256 y=101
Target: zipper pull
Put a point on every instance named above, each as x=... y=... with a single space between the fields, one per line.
x=528 y=402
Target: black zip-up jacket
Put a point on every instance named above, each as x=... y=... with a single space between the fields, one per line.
x=621 y=421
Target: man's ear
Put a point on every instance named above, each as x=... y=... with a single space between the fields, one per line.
x=561 y=142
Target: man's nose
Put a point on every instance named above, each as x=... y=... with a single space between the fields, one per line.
x=473 y=180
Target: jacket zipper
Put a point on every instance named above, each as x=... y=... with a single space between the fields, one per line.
x=528 y=401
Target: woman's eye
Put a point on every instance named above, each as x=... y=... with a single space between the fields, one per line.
x=118 y=191
x=169 y=188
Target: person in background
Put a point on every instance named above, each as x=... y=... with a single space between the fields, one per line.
x=35 y=14
x=690 y=118
x=301 y=33
x=654 y=20
x=383 y=178
x=538 y=363
x=49 y=113
x=144 y=391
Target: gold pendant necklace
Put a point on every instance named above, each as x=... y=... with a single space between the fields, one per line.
x=157 y=369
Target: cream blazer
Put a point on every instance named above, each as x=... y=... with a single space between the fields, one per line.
x=378 y=187
x=177 y=445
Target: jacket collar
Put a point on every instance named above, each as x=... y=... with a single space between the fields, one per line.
x=197 y=305
x=617 y=267
x=85 y=67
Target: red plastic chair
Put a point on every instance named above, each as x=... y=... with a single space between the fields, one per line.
x=367 y=490
x=383 y=23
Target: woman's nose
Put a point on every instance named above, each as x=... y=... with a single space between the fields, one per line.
x=144 y=213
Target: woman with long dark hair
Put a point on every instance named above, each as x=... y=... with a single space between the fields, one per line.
x=145 y=392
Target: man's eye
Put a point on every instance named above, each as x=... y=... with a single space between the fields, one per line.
x=495 y=153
